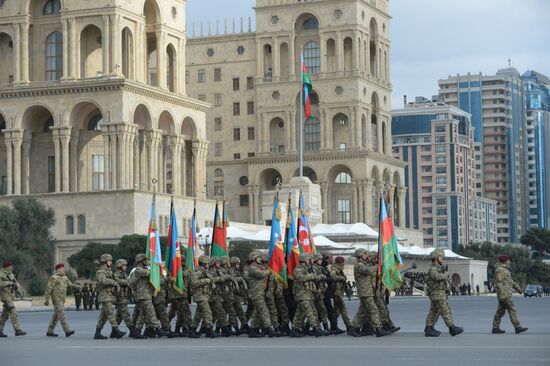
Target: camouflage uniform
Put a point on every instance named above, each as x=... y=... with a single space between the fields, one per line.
x=282 y=309
x=8 y=288
x=201 y=286
x=85 y=296
x=142 y=291
x=257 y=275
x=123 y=295
x=78 y=298
x=340 y=280
x=180 y=303
x=240 y=292
x=505 y=286
x=319 y=294
x=106 y=286
x=380 y=299
x=230 y=288
x=365 y=279
x=159 y=303
x=270 y=300
x=304 y=289
x=438 y=285
x=217 y=275
x=56 y=290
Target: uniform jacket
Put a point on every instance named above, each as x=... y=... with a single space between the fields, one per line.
x=504 y=283
x=339 y=278
x=365 y=278
x=322 y=285
x=201 y=284
x=56 y=290
x=142 y=289
x=437 y=283
x=106 y=284
x=303 y=287
x=123 y=289
x=257 y=275
x=7 y=288
x=241 y=288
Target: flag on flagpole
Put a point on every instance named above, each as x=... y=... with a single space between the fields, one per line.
x=153 y=249
x=276 y=256
x=305 y=239
x=219 y=233
x=192 y=256
x=306 y=90
x=173 y=254
x=292 y=249
x=389 y=259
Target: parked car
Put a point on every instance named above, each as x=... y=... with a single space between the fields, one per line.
x=533 y=290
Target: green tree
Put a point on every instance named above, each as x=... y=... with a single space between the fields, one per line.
x=129 y=246
x=538 y=239
x=85 y=261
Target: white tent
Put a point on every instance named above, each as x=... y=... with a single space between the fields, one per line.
x=358 y=229
x=413 y=251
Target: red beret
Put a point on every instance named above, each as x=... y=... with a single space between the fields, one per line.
x=8 y=264
x=340 y=260
x=60 y=265
x=503 y=258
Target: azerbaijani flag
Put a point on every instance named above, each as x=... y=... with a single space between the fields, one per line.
x=276 y=256
x=219 y=234
x=389 y=259
x=153 y=250
x=306 y=90
x=192 y=256
x=305 y=239
x=292 y=249
x=173 y=254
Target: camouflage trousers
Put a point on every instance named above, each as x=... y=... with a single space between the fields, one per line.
x=145 y=312
x=106 y=314
x=340 y=309
x=8 y=312
x=504 y=305
x=180 y=307
x=261 y=317
x=305 y=309
x=367 y=312
x=238 y=311
x=282 y=309
x=122 y=313
x=384 y=312
x=230 y=311
x=272 y=308
x=321 y=308
x=202 y=313
x=58 y=316
x=162 y=314
x=219 y=316
x=249 y=309
x=439 y=307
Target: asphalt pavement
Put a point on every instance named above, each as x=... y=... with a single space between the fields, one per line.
x=408 y=347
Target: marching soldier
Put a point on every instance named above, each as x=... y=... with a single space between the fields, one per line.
x=282 y=309
x=230 y=286
x=304 y=289
x=56 y=290
x=505 y=288
x=106 y=286
x=123 y=295
x=201 y=285
x=257 y=275
x=380 y=299
x=438 y=286
x=240 y=293
x=179 y=303
x=319 y=294
x=85 y=296
x=9 y=288
x=340 y=281
x=216 y=296
x=159 y=303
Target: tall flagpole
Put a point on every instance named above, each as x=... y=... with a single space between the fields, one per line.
x=301 y=111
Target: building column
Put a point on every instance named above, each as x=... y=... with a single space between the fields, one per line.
x=66 y=38
x=380 y=148
x=322 y=51
x=65 y=141
x=360 y=202
x=74 y=160
x=152 y=140
x=354 y=205
x=352 y=126
x=116 y=46
x=176 y=145
x=402 y=214
x=161 y=164
x=17 y=53
x=355 y=51
x=73 y=48
x=106 y=44
x=25 y=166
x=139 y=170
x=250 y=204
x=113 y=149
x=339 y=54
x=324 y=193
x=61 y=138
x=106 y=157
x=369 y=188
x=57 y=149
x=25 y=52
x=17 y=140
x=200 y=149
x=358 y=127
x=181 y=89
x=161 y=60
x=9 y=163
x=291 y=55
x=276 y=59
x=184 y=168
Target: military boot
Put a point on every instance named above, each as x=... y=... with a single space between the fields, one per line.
x=368 y=331
x=137 y=334
x=169 y=333
x=210 y=333
x=19 y=332
x=202 y=330
x=131 y=330
x=149 y=332
x=193 y=334
x=245 y=329
x=225 y=331
x=334 y=328
x=98 y=334
x=431 y=332
x=183 y=331
x=69 y=333
x=254 y=333
x=116 y=333
x=354 y=332
x=2 y=335
x=296 y=333
x=317 y=332
x=237 y=330
x=498 y=331
x=51 y=334
x=519 y=330
x=454 y=330
x=391 y=328
x=381 y=332
x=160 y=332
x=326 y=328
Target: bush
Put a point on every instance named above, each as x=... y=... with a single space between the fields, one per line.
x=37 y=285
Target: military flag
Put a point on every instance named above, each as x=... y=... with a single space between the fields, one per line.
x=292 y=249
x=276 y=256
x=153 y=250
x=173 y=254
x=219 y=233
x=305 y=238
x=306 y=90
x=389 y=259
x=192 y=256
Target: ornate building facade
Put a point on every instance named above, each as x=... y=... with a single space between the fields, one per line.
x=252 y=80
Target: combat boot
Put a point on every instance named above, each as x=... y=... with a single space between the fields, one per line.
x=98 y=334
x=254 y=333
x=69 y=333
x=454 y=330
x=2 y=335
x=354 y=332
x=183 y=331
x=317 y=332
x=132 y=331
x=202 y=330
x=149 y=332
x=169 y=333
x=193 y=334
x=116 y=333
x=334 y=328
x=282 y=332
x=51 y=334
x=391 y=328
x=210 y=333
x=237 y=330
x=225 y=331
x=518 y=330
x=245 y=329
x=326 y=328
x=498 y=331
x=160 y=332
x=431 y=332
x=19 y=332
x=296 y=333
x=381 y=332
x=368 y=331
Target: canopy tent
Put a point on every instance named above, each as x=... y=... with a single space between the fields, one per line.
x=358 y=229
x=412 y=251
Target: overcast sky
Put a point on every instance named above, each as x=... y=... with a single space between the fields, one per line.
x=432 y=39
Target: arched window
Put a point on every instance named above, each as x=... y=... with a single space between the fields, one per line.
x=95 y=123
x=48 y=124
x=312 y=57
x=52 y=7
x=54 y=56
x=69 y=221
x=343 y=178
x=218 y=183
x=218 y=173
x=81 y=224
x=310 y=23
x=312 y=134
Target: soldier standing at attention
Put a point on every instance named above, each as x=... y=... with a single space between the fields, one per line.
x=9 y=287
x=201 y=286
x=106 y=286
x=438 y=285
x=78 y=298
x=240 y=293
x=85 y=296
x=123 y=295
x=340 y=286
x=56 y=290
x=505 y=288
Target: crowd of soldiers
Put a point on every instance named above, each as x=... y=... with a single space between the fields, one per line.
x=310 y=306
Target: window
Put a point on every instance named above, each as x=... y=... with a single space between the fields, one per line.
x=342 y=147
x=217 y=100
x=94 y=124
x=243 y=200
x=426 y=148
x=51 y=173
x=81 y=224
x=236 y=84
x=441 y=201
x=251 y=154
x=217 y=124
x=218 y=149
x=439 y=128
x=69 y=225
x=427 y=179
x=54 y=56
x=441 y=170
x=243 y=181
x=441 y=222
x=98 y=172
x=218 y=188
x=217 y=74
x=343 y=178
x=201 y=76
x=440 y=160
x=250 y=107
x=251 y=133
x=440 y=139
x=312 y=134
x=202 y=97
x=310 y=23
x=250 y=83
x=344 y=211
x=441 y=212
x=427 y=169
x=237 y=109
x=240 y=50
x=237 y=156
x=440 y=149
x=312 y=57
x=236 y=134
x=51 y=7
x=441 y=180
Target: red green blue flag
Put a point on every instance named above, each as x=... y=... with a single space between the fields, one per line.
x=292 y=249
x=219 y=233
x=389 y=259
x=192 y=256
x=276 y=256
x=306 y=90
x=173 y=254
x=305 y=239
x=153 y=250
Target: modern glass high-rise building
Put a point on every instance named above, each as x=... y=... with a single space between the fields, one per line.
x=537 y=148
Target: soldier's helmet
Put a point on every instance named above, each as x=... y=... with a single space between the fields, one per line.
x=213 y=260
x=253 y=255
x=140 y=257
x=105 y=257
x=235 y=260
x=121 y=262
x=304 y=257
x=437 y=253
x=359 y=252
x=317 y=256
x=203 y=259
x=224 y=259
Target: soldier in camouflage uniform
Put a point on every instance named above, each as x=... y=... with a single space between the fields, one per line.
x=438 y=284
x=78 y=298
x=230 y=287
x=505 y=286
x=201 y=286
x=106 y=288
x=304 y=292
x=249 y=304
x=257 y=276
x=365 y=278
x=123 y=295
x=271 y=284
x=340 y=280
x=56 y=290
x=319 y=294
x=179 y=303
x=142 y=291
x=216 y=296
x=9 y=287
x=240 y=293
x=85 y=296
x=282 y=309
x=380 y=299
x=159 y=303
